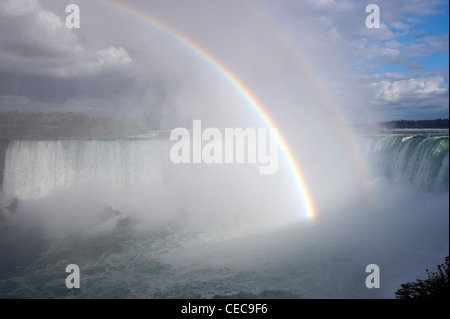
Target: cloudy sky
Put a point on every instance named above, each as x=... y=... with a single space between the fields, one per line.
x=290 y=54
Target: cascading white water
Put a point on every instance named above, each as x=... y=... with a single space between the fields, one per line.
x=35 y=169
x=137 y=176
x=173 y=253
x=418 y=158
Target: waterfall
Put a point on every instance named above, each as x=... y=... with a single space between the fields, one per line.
x=35 y=169
x=418 y=158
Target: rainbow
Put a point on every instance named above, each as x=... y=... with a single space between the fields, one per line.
x=243 y=90
x=318 y=85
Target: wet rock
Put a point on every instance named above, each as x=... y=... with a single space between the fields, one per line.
x=108 y=213
x=125 y=223
x=5 y=217
x=12 y=208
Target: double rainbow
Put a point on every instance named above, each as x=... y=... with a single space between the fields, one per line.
x=243 y=90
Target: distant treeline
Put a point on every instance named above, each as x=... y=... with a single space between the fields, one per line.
x=441 y=123
x=17 y=125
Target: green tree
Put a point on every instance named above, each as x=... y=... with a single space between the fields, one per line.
x=436 y=286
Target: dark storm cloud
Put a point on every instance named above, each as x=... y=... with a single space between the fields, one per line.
x=44 y=65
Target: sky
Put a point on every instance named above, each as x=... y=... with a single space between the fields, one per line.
x=292 y=55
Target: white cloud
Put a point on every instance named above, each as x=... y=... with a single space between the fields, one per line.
x=413 y=88
x=400 y=25
x=371 y=48
x=383 y=33
x=114 y=56
x=413 y=65
x=335 y=5
x=395 y=52
x=429 y=45
x=15 y=8
x=393 y=44
x=391 y=56
x=330 y=33
x=419 y=96
x=42 y=45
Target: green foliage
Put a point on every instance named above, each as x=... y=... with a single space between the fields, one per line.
x=436 y=286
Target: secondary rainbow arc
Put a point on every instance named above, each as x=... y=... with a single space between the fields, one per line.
x=304 y=65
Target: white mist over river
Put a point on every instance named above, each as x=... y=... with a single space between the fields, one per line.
x=139 y=226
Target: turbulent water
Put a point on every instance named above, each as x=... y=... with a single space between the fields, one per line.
x=419 y=158
x=140 y=227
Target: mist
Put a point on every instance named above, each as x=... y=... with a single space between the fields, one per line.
x=199 y=226
x=121 y=207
